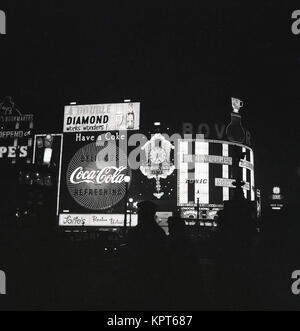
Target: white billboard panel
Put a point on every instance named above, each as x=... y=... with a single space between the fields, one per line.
x=202 y=173
x=103 y=220
x=225 y=182
x=102 y=117
x=203 y=158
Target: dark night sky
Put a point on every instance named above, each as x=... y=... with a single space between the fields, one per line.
x=182 y=60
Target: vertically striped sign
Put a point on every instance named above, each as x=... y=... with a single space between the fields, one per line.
x=205 y=172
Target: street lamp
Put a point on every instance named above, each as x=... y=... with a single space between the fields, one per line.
x=127 y=181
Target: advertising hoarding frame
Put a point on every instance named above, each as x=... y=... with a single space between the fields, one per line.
x=101 y=110
x=117 y=208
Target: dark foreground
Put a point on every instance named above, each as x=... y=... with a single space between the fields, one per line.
x=48 y=271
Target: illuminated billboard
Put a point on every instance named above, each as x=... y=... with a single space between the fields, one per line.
x=16 y=133
x=157 y=161
x=102 y=117
x=101 y=220
x=205 y=172
x=92 y=183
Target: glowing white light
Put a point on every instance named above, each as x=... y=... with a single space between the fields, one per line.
x=127 y=100
x=276 y=208
x=276 y=190
x=183 y=173
x=202 y=173
x=127 y=179
x=73 y=103
x=47 y=155
x=225 y=169
x=252 y=177
x=157 y=123
x=130 y=200
x=244 y=176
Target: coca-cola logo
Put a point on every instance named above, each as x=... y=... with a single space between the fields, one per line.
x=96 y=176
x=107 y=175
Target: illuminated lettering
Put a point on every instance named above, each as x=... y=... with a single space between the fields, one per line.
x=107 y=175
x=87 y=120
x=12 y=151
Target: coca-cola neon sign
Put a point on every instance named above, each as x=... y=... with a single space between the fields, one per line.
x=107 y=175
x=96 y=176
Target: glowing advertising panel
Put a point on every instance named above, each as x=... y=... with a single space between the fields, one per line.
x=157 y=161
x=102 y=117
x=225 y=173
x=201 y=173
x=40 y=149
x=205 y=170
x=276 y=199
x=226 y=182
x=16 y=133
x=93 y=181
x=183 y=173
x=101 y=220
